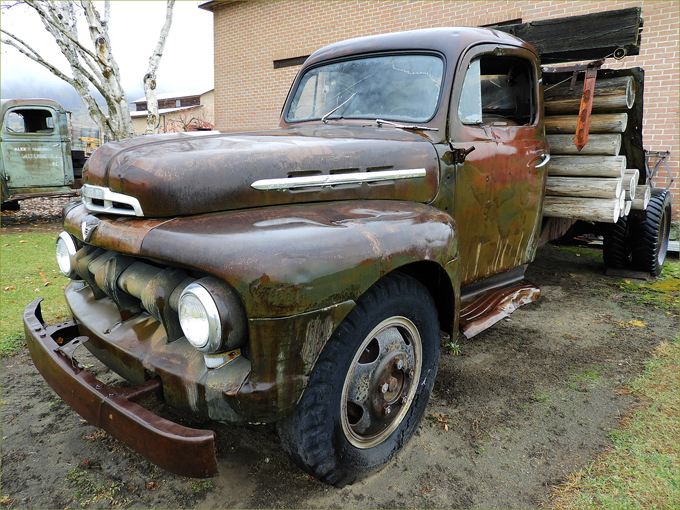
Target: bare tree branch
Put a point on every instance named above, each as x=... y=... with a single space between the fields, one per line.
x=89 y=68
x=25 y=49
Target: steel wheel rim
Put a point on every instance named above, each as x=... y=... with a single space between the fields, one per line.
x=381 y=382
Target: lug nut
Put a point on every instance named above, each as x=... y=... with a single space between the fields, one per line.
x=400 y=364
x=411 y=374
x=385 y=387
x=388 y=409
x=404 y=399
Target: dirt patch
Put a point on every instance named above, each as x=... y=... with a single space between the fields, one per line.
x=525 y=403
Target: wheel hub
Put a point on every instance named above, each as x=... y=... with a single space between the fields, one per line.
x=381 y=382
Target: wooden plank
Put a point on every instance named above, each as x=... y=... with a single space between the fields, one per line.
x=586 y=37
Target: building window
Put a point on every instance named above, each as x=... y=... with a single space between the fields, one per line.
x=290 y=62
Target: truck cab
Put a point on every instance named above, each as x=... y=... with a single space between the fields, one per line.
x=35 y=148
x=302 y=275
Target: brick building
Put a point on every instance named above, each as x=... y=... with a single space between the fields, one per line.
x=178 y=111
x=259 y=47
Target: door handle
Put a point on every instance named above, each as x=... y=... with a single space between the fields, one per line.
x=545 y=157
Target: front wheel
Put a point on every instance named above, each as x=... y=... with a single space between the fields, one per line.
x=370 y=386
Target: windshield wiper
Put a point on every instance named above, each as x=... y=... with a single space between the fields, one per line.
x=324 y=119
x=380 y=122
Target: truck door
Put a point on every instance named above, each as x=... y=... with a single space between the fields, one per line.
x=499 y=187
x=33 y=150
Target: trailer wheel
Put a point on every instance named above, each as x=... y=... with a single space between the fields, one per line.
x=650 y=243
x=370 y=386
x=617 y=250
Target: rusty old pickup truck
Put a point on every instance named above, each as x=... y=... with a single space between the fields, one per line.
x=302 y=275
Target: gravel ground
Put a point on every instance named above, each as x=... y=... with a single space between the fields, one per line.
x=41 y=210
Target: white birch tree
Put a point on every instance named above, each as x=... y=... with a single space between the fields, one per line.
x=92 y=66
x=152 y=118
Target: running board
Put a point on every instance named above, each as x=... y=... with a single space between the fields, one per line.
x=494 y=305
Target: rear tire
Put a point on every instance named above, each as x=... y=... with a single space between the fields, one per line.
x=650 y=242
x=617 y=251
x=370 y=385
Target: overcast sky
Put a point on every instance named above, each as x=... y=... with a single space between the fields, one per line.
x=187 y=62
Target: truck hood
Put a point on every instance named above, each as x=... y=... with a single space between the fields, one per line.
x=184 y=173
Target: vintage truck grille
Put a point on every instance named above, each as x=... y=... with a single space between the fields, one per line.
x=99 y=199
x=134 y=285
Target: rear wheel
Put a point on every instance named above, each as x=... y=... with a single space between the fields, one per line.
x=370 y=386
x=618 y=252
x=650 y=243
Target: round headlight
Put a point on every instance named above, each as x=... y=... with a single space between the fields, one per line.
x=66 y=252
x=199 y=318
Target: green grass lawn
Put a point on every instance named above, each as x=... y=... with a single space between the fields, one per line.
x=642 y=469
x=28 y=271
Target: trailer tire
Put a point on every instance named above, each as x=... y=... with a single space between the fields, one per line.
x=650 y=242
x=617 y=250
x=370 y=386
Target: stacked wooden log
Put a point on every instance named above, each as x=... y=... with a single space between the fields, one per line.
x=593 y=184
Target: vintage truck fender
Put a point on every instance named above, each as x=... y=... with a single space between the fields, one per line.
x=298 y=270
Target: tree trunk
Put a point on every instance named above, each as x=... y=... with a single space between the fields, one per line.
x=598 y=145
x=643 y=194
x=611 y=94
x=600 y=123
x=627 y=208
x=587 y=166
x=152 y=117
x=588 y=209
x=586 y=187
x=630 y=183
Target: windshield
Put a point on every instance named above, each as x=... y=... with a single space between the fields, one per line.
x=394 y=87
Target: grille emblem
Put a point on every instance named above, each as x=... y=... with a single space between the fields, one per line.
x=87 y=228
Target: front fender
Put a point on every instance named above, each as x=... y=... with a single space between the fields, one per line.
x=288 y=260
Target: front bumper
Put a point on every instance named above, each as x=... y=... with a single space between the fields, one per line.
x=178 y=449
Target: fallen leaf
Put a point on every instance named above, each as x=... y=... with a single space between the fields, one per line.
x=446 y=428
x=23 y=241
x=46 y=284
x=11 y=287
x=151 y=486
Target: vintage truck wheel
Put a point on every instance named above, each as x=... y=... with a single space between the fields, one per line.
x=650 y=243
x=370 y=386
x=617 y=250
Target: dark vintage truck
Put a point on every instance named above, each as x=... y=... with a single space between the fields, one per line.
x=302 y=275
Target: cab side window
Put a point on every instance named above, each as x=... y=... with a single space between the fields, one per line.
x=29 y=121
x=498 y=91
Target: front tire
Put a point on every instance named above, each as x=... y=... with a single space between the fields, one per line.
x=370 y=386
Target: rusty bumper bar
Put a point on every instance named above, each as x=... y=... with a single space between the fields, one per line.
x=178 y=449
